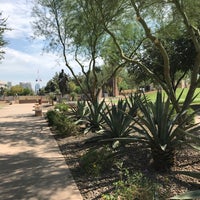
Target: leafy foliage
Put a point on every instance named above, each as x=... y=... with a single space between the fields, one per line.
x=62 y=107
x=181 y=53
x=51 y=116
x=136 y=186
x=3 y=28
x=19 y=90
x=95 y=161
x=61 y=123
x=65 y=127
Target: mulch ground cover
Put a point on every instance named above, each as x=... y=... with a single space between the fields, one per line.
x=135 y=158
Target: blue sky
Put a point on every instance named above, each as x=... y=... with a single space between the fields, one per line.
x=24 y=59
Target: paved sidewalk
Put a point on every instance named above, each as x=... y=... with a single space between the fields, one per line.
x=31 y=165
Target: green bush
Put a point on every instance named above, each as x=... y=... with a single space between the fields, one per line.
x=51 y=116
x=62 y=107
x=65 y=126
x=94 y=162
x=74 y=96
x=62 y=124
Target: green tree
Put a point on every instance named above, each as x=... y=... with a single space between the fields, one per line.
x=128 y=35
x=3 y=28
x=125 y=80
x=27 y=91
x=68 y=28
x=15 y=90
x=158 y=19
x=75 y=27
x=52 y=84
x=181 y=53
x=83 y=26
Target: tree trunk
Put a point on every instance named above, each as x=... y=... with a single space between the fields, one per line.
x=115 y=87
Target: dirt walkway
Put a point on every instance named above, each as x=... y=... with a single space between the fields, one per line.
x=31 y=166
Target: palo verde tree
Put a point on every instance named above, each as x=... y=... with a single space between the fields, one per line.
x=181 y=53
x=74 y=27
x=128 y=35
x=82 y=27
x=159 y=19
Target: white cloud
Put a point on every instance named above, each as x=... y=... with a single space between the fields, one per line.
x=23 y=67
x=24 y=58
x=18 y=17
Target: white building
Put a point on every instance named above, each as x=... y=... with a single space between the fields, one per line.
x=3 y=84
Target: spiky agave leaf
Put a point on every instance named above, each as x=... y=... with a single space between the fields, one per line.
x=160 y=129
x=116 y=122
x=94 y=118
x=188 y=195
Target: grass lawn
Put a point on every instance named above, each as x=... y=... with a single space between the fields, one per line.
x=152 y=95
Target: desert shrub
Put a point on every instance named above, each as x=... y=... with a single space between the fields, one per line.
x=95 y=161
x=62 y=107
x=65 y=126
x=162 y=131
x=62 y=124
x=74 y=96
x=135 y=187
x=51 y=116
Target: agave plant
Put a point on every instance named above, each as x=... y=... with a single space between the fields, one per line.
x=132 y=105
x=94 y=119
x=79 y=111
x=160 y=131
x=116 y=122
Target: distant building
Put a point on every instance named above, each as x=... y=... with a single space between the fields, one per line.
x=9 y=85
x=37 y=88
x=26 y=85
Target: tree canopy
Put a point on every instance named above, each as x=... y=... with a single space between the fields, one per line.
x=160 y=20
x=3 y=28
x=121 y=33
